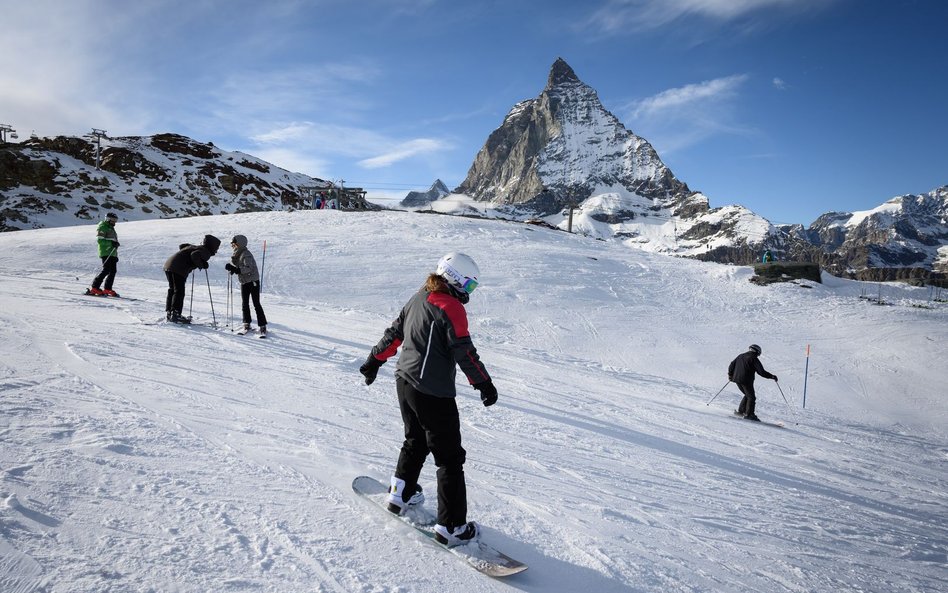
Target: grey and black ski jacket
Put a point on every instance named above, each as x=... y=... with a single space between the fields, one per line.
x=432 y=332
x=247 y=265
x=743 y=369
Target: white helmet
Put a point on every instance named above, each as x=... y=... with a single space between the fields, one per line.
x=460 y=271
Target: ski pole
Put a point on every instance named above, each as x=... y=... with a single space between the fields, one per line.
x=806 y=371
x=263 y=264
x=718 y=393
x=213 y=315
x=191 y=306
x=789 y=407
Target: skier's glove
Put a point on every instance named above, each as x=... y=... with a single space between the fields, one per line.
x=115 y=243
x=775 y=377
x=232 y=269
x=488 y=392
x=202 y=265
x=370 y=369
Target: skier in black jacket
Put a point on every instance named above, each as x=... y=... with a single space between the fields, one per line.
x=742 y=371
x=177 y=269
x=432 y=331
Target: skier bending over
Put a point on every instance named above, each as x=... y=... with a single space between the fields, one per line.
x=742 y=371
x=108 y=242
x=432 y=330
x=177 y=269
x=244 y=265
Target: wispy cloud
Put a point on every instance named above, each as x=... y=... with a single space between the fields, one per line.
x=682 y=117
x=402 y=151
x=618 y=16
x=779 y=83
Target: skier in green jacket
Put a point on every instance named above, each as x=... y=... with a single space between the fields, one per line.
x=108 y=242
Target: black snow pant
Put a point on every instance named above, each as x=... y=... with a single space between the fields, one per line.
x=248 y=291
x=176 y=287
x=432 y=426
x=109 y=268
x=749 y=401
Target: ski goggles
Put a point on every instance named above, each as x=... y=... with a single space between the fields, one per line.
x=462 y=282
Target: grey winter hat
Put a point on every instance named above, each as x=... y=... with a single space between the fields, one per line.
x=754 y=348
x=239 y=240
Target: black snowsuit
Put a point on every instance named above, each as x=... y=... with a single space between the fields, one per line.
x=742 y=371
x=180 y=265
x=432 y=331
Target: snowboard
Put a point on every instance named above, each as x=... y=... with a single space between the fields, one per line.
x=481 y=556
x=739 y=416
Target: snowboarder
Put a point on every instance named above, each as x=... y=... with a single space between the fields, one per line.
x=432 y=330
x=742 y=371
x=244 y=265
x=177 y=269
x=108 y=242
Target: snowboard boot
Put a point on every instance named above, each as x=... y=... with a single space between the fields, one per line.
x=95 y=291
x=396 y=496
x=466 y=533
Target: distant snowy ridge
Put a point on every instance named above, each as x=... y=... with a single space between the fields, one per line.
x=416 y=199
x=50 y=182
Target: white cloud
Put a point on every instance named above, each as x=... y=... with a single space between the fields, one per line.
x=779 y=83
x=618 y=16
x=404 y=151
x=682 y=117
x=688 y=97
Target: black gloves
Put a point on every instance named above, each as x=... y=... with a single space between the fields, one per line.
x=115 y=243
x=488 y=392
x=202 y=265
x=775 y=377
x=370 y=368
x=232 y=269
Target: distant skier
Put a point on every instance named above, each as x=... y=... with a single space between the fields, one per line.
x=244 y=265
x=742 y=371
x=177 y=269
x=767 y=257
x=108 y=242
x=432 y=330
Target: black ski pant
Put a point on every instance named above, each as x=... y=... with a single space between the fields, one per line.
x=176 y=287
x=432 y=426
x=749 y=401
x=109 y=268
x=248 y=291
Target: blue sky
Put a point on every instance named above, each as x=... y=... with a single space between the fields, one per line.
x=792 y=108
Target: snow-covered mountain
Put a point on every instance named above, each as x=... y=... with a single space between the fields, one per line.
x=565 y=149
x=140 y=457
x=48 y=182
x=417 y=199
x=907 y=232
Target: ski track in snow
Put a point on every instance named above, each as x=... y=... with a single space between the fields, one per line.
x=137 y=457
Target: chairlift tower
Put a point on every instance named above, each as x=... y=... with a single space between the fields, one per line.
x=4 y=128
x=97 y=135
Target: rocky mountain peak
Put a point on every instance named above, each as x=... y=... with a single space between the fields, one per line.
x=563 y=147
x=561 y=73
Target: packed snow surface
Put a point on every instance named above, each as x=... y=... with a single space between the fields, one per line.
x=138 y=456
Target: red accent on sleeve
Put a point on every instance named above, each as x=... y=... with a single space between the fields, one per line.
x=454 y=310
x=388 y=352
